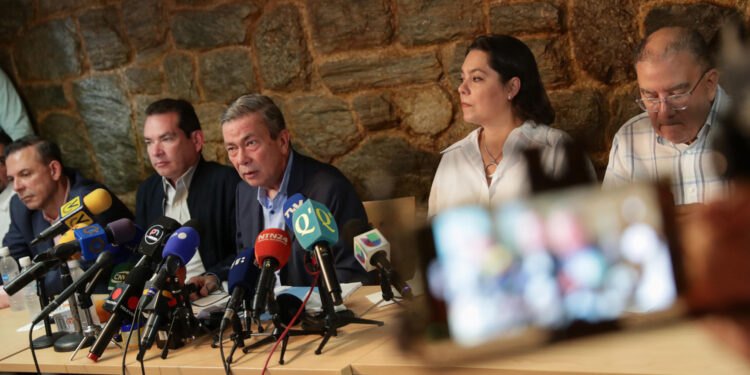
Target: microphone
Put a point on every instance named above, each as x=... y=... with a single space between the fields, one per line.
x=179 y=249
x=316 y=231
x=156 y=235
x=94 y=239
x=272 y=250
x=36 y=271
x=76 y=211
x=292 y=204
x=91 y=241
x=240 y=281
x=122 y=302
x=373 y=251
x=104 y=260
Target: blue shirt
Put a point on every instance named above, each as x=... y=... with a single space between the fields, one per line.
x=273 y=209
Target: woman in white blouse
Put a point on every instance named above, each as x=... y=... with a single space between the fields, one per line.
x=501 y=91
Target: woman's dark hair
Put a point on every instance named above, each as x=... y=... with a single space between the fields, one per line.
x=509 y=57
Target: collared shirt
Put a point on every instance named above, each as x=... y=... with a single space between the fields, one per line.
x=5 y=197
x=273 y=209
x=460 y=178
x=51 y=220
x=639 y=154
x=176 y=207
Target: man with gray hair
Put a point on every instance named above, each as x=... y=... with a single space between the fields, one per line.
x=258 y=145
x=672 y=139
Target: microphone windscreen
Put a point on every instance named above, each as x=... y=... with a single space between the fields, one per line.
x=123 y=230
x=68 y=236
x=183 y=243
x=241 y=273
x=291 y=205
x=274 y=243
x=97 y=201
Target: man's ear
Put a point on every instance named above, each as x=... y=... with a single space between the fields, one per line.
x=284 y=139
x=55 y=170
x=197 y=138
x=712 y=81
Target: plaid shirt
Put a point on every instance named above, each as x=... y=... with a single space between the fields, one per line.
x=639 y=154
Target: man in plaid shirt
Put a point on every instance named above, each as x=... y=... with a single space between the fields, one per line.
x=671 y=141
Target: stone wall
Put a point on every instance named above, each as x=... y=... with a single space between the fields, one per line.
x=368 y=85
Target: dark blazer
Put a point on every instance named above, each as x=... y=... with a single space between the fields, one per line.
x=25 y=224
x=210 y=201
x=320 y=182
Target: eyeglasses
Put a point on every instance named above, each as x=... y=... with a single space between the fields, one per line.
x=677 y=102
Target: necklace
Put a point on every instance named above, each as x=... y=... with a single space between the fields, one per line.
x=494 y=161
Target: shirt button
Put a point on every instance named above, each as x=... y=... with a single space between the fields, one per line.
x=273 y=212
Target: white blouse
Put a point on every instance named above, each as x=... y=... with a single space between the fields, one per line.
x=460 y=177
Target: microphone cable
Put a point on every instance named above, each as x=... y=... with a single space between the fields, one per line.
x=294 y=319
x=33 y=353
x=136 y=325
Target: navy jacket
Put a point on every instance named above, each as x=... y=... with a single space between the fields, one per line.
x=26 y=224
x=320 y=182
x=210 y=201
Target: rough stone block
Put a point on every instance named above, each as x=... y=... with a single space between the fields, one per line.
x=425 y=110
x=452 y=58
x=535 y=17
x=551 y=56
x=623 y=108
x=105 y=41
x=209 y=114
x=458 y=130
x=283 y=58
x=706 y=18
x=106 y=112
x=45 y=97
x=221 y=26
x=146 y=27
x=580 y=114
x=342 y=25
x=144 y=80
x=375 y=111
x=14 y=16
x=603 y=36
x=386 y=166
x=51 y=6
x=379 y=71
x=323 y=124
x=70 y=134
x=180 y=82
x=226 y=74
x=141 y=103
x=49 y=51
x=433 y=21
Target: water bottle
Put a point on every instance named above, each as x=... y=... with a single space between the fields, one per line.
x=30 y=296
x=9 y=269
x=76 y=272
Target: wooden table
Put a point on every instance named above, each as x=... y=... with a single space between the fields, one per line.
x=14 y=342
x=199 y=358
x=682 y=348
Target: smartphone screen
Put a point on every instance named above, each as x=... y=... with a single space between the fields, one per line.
x=546 y=262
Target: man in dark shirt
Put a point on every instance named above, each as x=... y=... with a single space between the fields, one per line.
x=187 y=187
x=42 y=184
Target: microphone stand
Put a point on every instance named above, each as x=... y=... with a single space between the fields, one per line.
x=334 y=320
x=183 y=325
x=385 y=286
x=49 y=337
x=242 y=329
x=278 y=329
x=91 y=330
x=70 y=341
